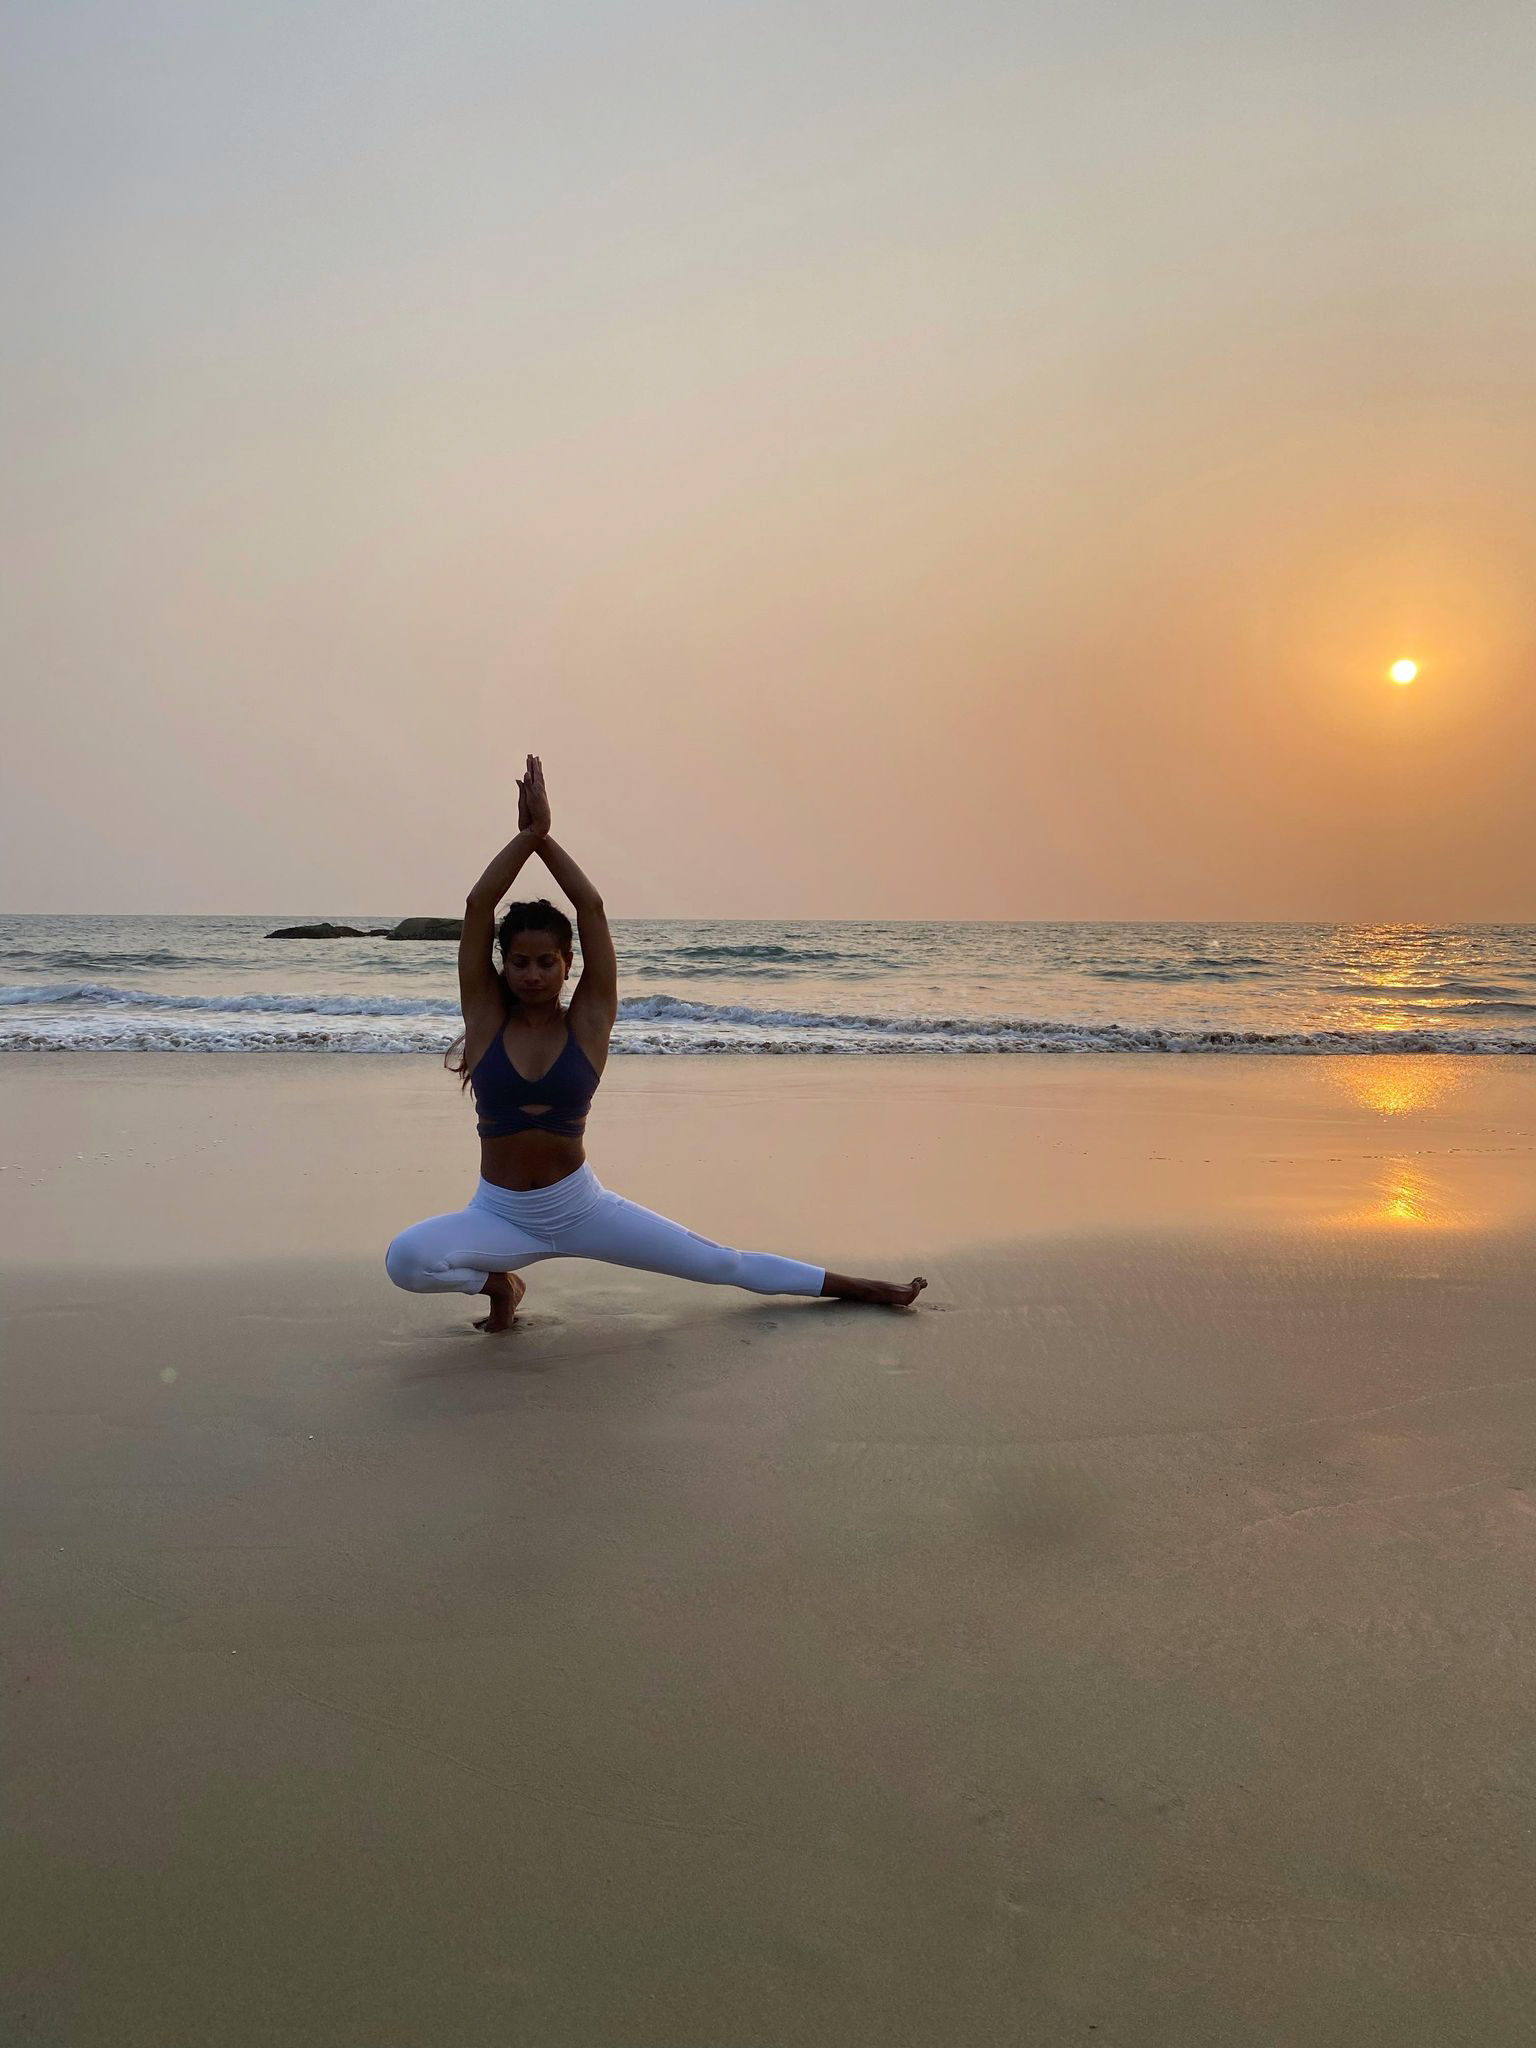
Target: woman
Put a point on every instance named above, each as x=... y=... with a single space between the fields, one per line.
x=538 y=1198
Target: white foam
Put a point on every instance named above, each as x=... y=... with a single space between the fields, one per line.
x=229 y=1033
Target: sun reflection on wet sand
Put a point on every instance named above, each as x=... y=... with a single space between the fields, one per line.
x=1448 y=1169
x=1404 y=1195
x=1396 y=1084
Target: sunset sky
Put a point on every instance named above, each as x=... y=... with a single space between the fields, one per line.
x=890 y=462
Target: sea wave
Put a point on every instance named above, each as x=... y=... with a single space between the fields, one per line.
x=1420 y=990
x=802 y=956
x=239 y=1035
x=96 y=994
x=670 y=969
x=102 y=1017
x=1225 y=967
x=83 y=957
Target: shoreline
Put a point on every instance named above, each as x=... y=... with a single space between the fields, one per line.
x=235 y=1155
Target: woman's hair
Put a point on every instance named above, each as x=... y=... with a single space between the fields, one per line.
x=542 y=916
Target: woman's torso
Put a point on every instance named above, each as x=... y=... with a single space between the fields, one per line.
x=534 y=1158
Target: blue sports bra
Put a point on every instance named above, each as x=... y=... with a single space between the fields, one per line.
x=501 y=1094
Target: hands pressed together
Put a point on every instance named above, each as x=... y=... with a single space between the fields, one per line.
x=533 y=800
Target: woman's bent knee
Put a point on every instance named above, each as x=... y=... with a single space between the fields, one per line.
x=405 y=1266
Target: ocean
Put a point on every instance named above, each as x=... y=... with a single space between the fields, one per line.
x=693 y=986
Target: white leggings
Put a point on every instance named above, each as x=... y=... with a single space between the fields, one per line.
x=577 y=1218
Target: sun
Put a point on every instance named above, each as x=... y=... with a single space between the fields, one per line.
x=1404 y=671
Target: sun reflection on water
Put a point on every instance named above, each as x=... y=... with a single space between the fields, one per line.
x=1395 y=977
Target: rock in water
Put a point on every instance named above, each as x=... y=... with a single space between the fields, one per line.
x=410 y=928
x=428 y=928
x=324 y=931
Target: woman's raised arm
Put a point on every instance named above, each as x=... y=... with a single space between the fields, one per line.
x=503 y=870
x=583 y=894
x=599 y=984
x=479 y=983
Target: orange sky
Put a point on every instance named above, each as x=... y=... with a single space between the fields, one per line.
x=983 y=465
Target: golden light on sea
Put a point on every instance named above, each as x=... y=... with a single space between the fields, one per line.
x=1404 y=671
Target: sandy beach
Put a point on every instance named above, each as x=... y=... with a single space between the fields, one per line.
x=1129 y=1644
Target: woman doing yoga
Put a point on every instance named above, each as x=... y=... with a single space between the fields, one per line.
x=538 y=1198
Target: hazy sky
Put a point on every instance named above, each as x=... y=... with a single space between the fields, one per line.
x=889 y=461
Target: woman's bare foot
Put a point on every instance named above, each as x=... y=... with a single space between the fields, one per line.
x=506 y=1290
x=885 y=1292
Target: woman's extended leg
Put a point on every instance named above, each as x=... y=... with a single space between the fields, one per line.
x=469 y=1251
x=621 y=1233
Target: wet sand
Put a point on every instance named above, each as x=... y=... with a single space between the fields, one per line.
x=1131 y=1644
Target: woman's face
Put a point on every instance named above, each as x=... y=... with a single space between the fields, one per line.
x=533 y=966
